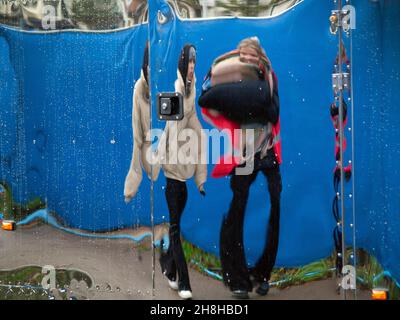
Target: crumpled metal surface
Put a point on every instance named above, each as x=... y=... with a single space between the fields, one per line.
x=71 y=14
x=116 y=14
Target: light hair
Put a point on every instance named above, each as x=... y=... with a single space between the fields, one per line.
x=254 y=43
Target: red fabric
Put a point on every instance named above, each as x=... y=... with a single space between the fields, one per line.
x=276 y=131
x=226 y=162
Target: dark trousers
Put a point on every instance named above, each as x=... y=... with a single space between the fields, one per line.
x=173 y=261
x=236 y=274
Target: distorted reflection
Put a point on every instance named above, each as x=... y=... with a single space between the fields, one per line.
x=113 y=14
x=72 y=14
x=189 y=9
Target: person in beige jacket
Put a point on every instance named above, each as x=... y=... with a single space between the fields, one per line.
x=173 y=261
x=179 y=166
x=141 y=129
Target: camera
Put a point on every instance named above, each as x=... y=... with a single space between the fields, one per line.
x=170 y=106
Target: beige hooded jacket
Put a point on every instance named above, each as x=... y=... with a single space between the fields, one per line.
x=169 y=150
x=141 y=146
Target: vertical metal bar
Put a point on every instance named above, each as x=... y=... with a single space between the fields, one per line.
x=353 y=160
x=153 y=253
x=341 y=134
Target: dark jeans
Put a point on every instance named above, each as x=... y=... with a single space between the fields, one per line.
x=233 y=261
x=173 y=261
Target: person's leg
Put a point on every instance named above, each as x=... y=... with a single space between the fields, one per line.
x=176 y=193
x=232 y=255
x=167 y=262
x=263 y=268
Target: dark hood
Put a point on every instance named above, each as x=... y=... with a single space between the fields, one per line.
x=145 y=63
x=188 y=52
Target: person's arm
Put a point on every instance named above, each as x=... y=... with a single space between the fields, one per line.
x=134 y=176
x=244 y=102
x=274 y=106
x=200 y=175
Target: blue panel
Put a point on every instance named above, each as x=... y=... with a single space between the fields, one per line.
x=8 y=94
x=377 y=80
x=74 y=109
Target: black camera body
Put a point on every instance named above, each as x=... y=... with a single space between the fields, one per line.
x=170 y=106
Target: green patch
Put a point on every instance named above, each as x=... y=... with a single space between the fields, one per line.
x=206 y=260
x=319 y=270
x=367 y=269
x=15 y=211
x=284 y=277
x=26 y=283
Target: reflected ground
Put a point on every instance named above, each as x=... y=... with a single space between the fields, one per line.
x=113 y=269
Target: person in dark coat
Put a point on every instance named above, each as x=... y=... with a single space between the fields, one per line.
x=253 y=104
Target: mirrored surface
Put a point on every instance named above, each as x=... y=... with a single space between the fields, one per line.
x=66 y=146
x=99 y=15
x=190 y=9
x=48 y=15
